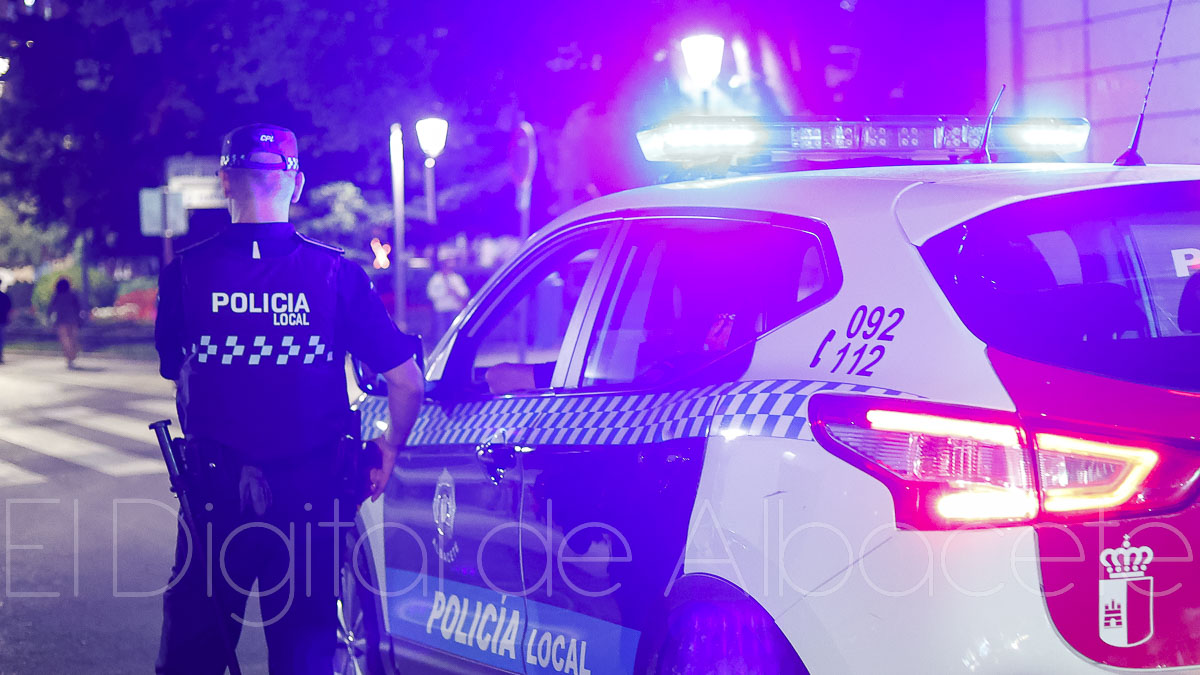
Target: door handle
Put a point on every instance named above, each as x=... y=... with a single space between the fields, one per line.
x=496 y=459
x=501 y=455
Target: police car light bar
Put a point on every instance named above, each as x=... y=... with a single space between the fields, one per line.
x=709 y=139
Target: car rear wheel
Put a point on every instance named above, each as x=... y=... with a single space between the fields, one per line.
x=722 y=637
x=357 y=632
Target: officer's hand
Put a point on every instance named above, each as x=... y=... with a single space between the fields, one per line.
x=380 y=475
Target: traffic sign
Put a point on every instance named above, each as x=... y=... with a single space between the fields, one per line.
x=198 y=192
x=162 y=213
x=192 y=165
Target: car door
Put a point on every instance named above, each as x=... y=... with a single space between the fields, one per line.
x=452 y=540
x=611 y=470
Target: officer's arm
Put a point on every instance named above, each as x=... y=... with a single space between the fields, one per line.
x=168 y=325
x=406 y=389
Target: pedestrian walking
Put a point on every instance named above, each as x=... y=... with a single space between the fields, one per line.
x=254 y=326
x=5 y=310
x=448 y=293
x=65 y=313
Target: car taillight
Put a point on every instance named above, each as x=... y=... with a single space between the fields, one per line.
x=954 y=466
x=1082 y=475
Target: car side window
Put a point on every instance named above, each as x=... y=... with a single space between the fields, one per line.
x=689 y=291
x=513 y=342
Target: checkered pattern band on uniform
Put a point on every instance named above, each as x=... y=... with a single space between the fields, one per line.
x=290 y=163
x=261 y=350
x=755 y=408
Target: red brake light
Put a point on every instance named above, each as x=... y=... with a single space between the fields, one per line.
x=954 y=466
x=1081 y=475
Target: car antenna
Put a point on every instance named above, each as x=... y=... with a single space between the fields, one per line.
x=982 y=155
x=1131 y=157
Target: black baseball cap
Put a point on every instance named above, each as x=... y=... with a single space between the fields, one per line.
x=246 y=147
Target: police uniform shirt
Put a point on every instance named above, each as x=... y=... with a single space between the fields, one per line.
x=254 y=324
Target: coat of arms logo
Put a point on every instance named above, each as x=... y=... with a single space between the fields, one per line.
x=1126 y=596
x=444 y=507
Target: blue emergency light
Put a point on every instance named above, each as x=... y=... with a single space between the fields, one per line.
x=711 y=139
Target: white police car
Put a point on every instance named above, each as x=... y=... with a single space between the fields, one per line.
x=903 y=419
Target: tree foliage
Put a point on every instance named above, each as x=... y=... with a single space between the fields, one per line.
x=338 y=213
x=99 y=96
x=22 y=242
x=96 y=99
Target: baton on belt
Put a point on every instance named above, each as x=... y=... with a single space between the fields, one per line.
x=175 y=471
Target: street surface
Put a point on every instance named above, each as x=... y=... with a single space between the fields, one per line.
x=89 y=522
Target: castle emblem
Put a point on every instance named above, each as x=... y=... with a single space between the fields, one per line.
x=444 y=508
x=1126 y=596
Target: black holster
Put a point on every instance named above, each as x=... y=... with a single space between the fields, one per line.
x=355 y=459
x=211 y=471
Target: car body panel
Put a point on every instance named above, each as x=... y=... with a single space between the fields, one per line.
x=757 y=501
x=451 y=540
x=1121 y=588
x=605 y=517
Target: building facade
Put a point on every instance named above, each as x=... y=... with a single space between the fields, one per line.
x=1092 y=58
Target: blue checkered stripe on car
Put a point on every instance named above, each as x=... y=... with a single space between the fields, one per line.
x=756 y=408
x=475 y=422
x=373 y=416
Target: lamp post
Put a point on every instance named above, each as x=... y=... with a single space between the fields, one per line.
x=702 y=56
x=400 y=266
x=431 y=134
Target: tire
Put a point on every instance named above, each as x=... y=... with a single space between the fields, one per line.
x=722 y=637
x=358 y=647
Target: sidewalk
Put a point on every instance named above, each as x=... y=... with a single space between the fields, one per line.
x=137 y=351
x=35 y=374
x=103 y=369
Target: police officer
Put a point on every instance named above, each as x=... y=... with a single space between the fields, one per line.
x=253 y=325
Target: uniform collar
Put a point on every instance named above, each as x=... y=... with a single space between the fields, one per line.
x=260 y=230
x=262 y=240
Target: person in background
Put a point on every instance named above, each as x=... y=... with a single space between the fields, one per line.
x=449 y=293
x=5 y=309
x=65 y=313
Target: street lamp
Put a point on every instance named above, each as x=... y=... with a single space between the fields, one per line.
x=431 y=134
x=702 y=55
x=399 y=290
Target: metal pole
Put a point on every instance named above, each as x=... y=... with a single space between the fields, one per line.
x=168 y=253
x=85 y=285
x=524 y=199
x=430 y=197
x=399 y=257
x=523 y=308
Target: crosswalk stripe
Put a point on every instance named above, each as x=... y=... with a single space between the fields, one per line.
x=77 y=450
x=117 y=425
x=157 y=407
x=12 y=475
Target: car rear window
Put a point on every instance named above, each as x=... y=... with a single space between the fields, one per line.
x=1105 y=281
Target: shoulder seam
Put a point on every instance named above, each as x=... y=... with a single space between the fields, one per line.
x=198 y=244
x=336 y=249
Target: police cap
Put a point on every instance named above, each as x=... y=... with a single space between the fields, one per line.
x=255 y=146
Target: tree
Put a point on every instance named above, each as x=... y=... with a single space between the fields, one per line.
x=99 y=96
x=338 y=213
x=21 y=241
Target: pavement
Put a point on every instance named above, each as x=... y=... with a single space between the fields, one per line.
x=88 y=521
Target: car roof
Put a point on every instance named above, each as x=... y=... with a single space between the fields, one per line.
x=925 y=199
